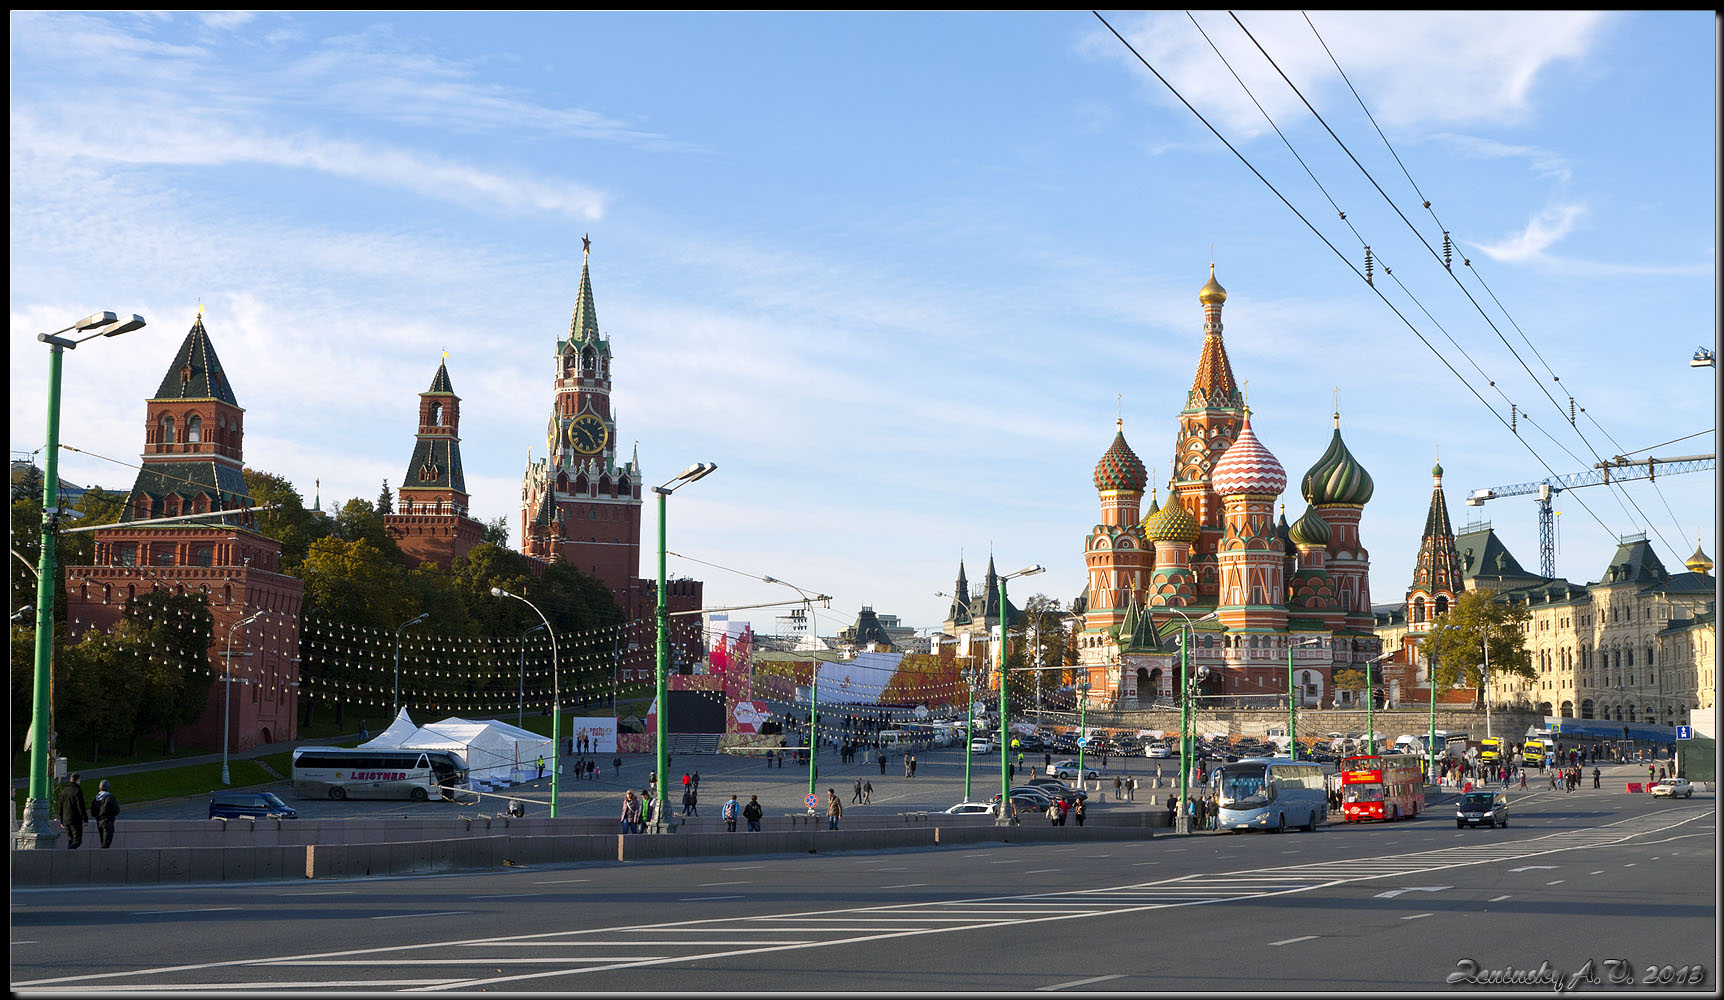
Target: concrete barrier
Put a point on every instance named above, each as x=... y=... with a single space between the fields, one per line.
x=479 y=845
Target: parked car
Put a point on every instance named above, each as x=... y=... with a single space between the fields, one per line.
x=1482 y=808
x=249 y=805
x=979 y=745
x=1055 y=788
x=1673 y=788
x=1069 y=769
x=970 y=809
x=1157 y=750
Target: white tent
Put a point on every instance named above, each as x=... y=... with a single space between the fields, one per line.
x=495 y=752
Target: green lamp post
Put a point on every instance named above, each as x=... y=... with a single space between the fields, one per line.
x=661 y=743
x=556 y=694
x=35 y=831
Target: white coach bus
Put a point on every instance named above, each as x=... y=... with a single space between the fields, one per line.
x=339 y=773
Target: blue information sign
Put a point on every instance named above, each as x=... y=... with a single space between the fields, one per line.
x=1684 y=732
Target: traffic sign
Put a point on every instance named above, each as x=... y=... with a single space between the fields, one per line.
x=1684 y=732
x=812 y=800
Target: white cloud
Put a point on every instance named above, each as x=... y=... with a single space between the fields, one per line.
x=1545 y=163
x=1543 y=230
x=1413 y=70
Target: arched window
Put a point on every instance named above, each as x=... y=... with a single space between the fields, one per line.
x=1442 y=604
x=194 y=429
x=165 y=431
x=436 y=414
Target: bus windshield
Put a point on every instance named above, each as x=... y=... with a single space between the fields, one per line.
x=1244 y=786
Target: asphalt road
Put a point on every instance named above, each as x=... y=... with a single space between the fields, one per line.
x=1591 y=884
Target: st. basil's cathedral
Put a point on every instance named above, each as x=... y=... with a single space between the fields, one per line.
x=1214 y=560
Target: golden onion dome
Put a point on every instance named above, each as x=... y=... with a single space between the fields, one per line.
x=1698 y=562
x=1212 y=292
x=1172 y=523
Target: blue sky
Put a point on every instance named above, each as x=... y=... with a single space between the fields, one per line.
x=895 y=274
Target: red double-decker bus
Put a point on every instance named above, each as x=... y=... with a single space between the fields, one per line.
x=1382 y=786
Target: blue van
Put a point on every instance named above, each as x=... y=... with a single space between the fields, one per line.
x=249 y=805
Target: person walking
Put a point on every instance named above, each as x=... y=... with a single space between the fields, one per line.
x=1078 y=812
x=752 y=812
x=906 y=765
x=73 y=814
x=729 y=813
x=834 y=809
x=103 y=811
x=631 y=818
x=882 y=762
x=912 y=765
x=867 y=793
x=856 y=796
x=1118 y=788
x=1595 y=773
x=1053 y=814
x=541 y=767
x=617 y=766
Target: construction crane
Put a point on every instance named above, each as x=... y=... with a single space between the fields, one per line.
x=1617 y=470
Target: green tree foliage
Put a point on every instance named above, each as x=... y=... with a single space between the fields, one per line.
x=497 y=532
x=290 y=523
x=386 y=500
x=1351 y=679
x=1456 y=643
x=167 y=636
x=359 y=521
x=96 y=507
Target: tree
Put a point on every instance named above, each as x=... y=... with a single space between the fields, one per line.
x=1456 y=642
x=167 y=637
x=290 y=523
x=497 y=532
x=1349 y=679
x=358 y=520
x=386 y=500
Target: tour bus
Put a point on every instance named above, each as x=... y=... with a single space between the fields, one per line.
x=337 y=773
x=1268 y=793
x=1385 y=787
x=1490 y=749
x=1532 y=752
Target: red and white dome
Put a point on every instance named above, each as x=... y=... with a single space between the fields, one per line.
x=1248 y=467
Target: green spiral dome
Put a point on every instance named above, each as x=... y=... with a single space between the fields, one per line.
x=1310 y=531
x=1337 y=478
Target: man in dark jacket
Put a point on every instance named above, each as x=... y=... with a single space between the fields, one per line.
x=104 y=811
x=752 y=812
x=73 y=815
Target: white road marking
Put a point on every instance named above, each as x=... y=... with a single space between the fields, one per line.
x=744 y=868
x=1557 y=882
x=26 y=942
x=1528 y=868
x=200 y=909
x=439 y=913
x=563 y=881
x=338 y=892
x=1392 y=893
x=900 y=920
x=1629 y=865
x=1416 y=916
x=708 y=885
x=1079 y=982
x=476 y=960
x=1140 y=864
x=1500 y=899
x=612 y=943
x=1308 y=937
x=277 y=985
x=1599 y=872
x=702 y=899
x=509 y=895
x=1040 y=871
x=905 y=885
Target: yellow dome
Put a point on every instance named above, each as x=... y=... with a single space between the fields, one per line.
x=1698 y=563
x=1212 y=290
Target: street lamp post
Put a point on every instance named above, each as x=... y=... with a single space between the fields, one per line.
x=1292 y=721
x=661 y=743
x=1182 y=818
x=1371 y=704
x=1083 y=723
x=1431 y=740
x=398 y=658
x=556 y=696
x=35 y=831
x=970 y=676
x=227 y=691
x=813 y=687
x=1005 y=816
x=1485 y=680
x=521 y=703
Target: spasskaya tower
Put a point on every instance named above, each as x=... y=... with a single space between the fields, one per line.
x=579 y=500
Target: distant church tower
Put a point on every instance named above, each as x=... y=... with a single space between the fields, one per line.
x=1437 y=578
x=431 y=522
x=1214 y=410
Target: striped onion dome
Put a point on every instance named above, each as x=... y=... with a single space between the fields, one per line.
x=1337 y=478
x=1310 y=531
x=1248 y=467
x=1120 y=468
x=1172 y=523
